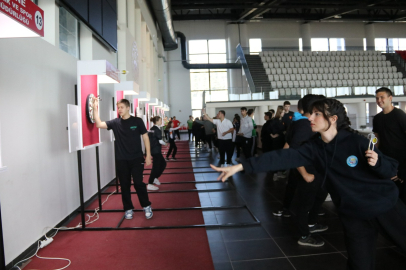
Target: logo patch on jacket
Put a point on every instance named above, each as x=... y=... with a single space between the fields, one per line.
x=352 y=161
x=133 y=127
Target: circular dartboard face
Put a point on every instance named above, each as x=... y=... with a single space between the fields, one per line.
x=89 y=108
x=135 y=61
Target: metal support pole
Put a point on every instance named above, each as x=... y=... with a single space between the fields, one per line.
x=98 y=178
x=82 y=202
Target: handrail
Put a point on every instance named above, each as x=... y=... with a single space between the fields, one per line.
x=243 y=61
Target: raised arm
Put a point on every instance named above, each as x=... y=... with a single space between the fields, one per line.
x=207 y=116
x=98 y=122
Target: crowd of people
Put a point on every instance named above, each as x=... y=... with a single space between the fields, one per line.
x=315 y=148
x=325 y=155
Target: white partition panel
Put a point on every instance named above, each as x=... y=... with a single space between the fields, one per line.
x=74 y=128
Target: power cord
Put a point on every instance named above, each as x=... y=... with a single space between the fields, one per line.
x=48 y=240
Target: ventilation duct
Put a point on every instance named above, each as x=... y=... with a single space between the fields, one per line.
x=162 y=12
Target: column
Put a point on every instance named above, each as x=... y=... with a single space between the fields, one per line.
x=361 y=114
x=261 y=112
x=370 y=36
x=305 y=33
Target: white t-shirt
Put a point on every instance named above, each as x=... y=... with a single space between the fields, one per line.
x=223 y=127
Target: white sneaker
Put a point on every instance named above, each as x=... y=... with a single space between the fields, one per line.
x=152 y=187
x=129 y=214
x=148 y=212
x=156 y=181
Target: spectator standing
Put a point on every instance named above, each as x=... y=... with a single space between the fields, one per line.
x=389 y=127
x=190 y=127
x=246 y=132
x=176 y=124
x=288 y=115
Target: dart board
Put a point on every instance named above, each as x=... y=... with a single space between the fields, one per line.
x=89 y=108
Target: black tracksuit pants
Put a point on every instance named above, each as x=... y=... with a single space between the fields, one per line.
x=293 y=180
x=172 y=147
x=247 y=147
x=310 y=198
x=134 y=168
x=361 y=235
x=176 y=132
x=158 y=167
x=209 y=139
x=226 y=147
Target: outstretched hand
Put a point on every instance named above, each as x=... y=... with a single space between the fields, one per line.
x=227 y=172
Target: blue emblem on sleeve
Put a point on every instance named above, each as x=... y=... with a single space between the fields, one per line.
x=352 y=161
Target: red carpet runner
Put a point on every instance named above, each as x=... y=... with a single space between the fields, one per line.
x=144 y=249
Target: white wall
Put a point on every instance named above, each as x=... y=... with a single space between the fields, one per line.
x=41 y=183
x=40 y=187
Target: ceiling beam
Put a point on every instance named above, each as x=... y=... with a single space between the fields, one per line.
x=346 y=10
x=198 y=17
x=247 y=12
x=251 y=6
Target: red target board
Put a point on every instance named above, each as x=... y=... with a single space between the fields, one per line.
x=90 y=133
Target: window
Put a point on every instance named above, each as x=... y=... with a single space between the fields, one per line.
x=396 y=44
x=207 y=84
x=364 y=40
x=380 y=44
x=255 y=45
x=301 y=44
x=327 y=44
x=337 y=44
x=319 y=44
x=68 y=33
x=367 y=112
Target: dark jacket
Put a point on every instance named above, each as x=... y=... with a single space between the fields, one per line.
x=266 y=138
x=357 y=189
x=277 y=127
x=197 y=129
x=155 y=135
x=299 y=132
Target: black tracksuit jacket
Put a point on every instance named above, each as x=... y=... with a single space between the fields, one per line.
x=356 y=188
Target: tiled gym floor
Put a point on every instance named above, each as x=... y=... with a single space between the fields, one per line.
x=273 y=243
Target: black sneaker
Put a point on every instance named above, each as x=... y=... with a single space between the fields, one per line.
x=310 y=242
x=286 y=213
x=277 y=213
x=318 y=228
x=283 y=212
x=167 y=159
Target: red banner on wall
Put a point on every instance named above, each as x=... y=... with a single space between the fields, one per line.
x=25 y=13
x=90 y=133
